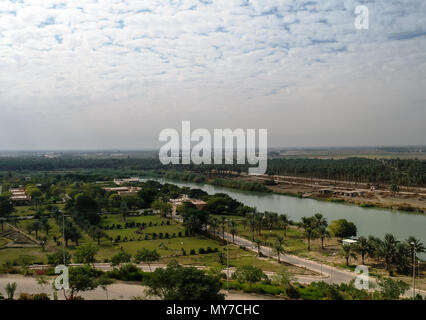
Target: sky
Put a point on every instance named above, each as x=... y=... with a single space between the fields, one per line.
x=110 y=74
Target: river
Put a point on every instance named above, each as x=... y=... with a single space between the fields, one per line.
x=369 y=221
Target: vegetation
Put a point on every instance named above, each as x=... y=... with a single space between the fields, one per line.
x=179 y=283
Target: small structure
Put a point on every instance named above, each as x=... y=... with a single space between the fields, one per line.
x=349 y=241
x=345 y=193
x=19 y=195
x=124 y=191
x=199 y=204
x=119 y=182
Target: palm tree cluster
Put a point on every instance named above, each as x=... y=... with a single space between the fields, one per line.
x=401 y=255
x=315 y=227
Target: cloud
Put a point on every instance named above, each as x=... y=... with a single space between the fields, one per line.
x=220 y=63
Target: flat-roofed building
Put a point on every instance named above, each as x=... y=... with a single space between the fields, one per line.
x=127 y=180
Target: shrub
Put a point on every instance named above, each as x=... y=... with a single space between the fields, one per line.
x=192 y=252
x=128 y=272
x=121 y=257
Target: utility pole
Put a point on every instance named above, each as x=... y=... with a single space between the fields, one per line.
x=227 y=260
x=63 y=233
x=414 y=269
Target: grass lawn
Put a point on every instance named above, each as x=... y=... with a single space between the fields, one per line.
x=11 y=254
x=29 y=209
x=3 y=241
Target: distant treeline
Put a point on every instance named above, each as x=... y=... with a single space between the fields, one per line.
x=45 y=164
x=242 y=185
x=388 y=171
x=385 y=171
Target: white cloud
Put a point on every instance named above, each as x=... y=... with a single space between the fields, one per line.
x=219 y=63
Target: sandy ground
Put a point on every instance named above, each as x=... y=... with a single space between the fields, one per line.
x=118 y=290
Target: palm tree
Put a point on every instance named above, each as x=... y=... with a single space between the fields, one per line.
x=232 y=229
x=309 y=224
x=96 y=233
x=280 y=240
x=375 y=247
x=124 y=210
x=364 y=247
x=278 y=249
x=285 y=221
x=258 y=244
x=222 y=222
x=213 y=224
x=259 y=222
x=388 y=249
x=10 y=290
x=348 y=253
x=252 y=227
x=45 y=225
x=416 y=246
x=244 y=222
x=322 y=233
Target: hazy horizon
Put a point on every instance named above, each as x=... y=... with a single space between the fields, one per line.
x=110 y=75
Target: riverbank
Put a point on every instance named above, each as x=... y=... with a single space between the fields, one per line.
x=300 y=187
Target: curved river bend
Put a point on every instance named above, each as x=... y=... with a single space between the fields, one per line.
x=369 y=221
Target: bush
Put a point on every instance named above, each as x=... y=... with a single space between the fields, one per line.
x=258 y=288
x=128 y=272
x=121 y=257
x=201 y=251
x=37 y=296
x=192 y=252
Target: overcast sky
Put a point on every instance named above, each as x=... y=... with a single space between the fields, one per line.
x=103 y=74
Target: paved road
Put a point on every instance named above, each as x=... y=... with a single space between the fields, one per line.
x=118 y=290
x=328 y=274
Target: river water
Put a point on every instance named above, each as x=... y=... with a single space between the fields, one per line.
x=369 y=221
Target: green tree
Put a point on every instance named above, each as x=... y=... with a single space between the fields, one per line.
x=104 y=281
x=6 y=208
x=387 y=249
x=148 y=256
x=183 y=283
x=394 y=188
x=86 y=253
x=392 y=289
x=278 y=249
x=348 y=252
x=10 y=290
x=124 y=210
x=45 y=225
x=57 y=258
x=35 y=226
x=342 y=228
x=249 y=273
x=363 y=247
x=121 y=257
x=309 y=224
x=285 y=222
x=416 y=246
x=258 y=243
x=97 y=234
x=81 y=279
